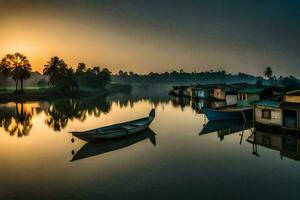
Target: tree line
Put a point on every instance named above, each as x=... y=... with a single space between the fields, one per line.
x=206 y=77
x=57 y=73
x=62 y=78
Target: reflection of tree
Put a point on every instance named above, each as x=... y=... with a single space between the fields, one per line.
x=125 y=100
x=60 y=112
x=18 y=123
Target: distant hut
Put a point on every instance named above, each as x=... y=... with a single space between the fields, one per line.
x=180 y=91
x=202 y=92
x=250 y=95
x=219 y=91
x=268 y=112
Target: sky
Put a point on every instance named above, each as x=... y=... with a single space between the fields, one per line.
x=143 y=35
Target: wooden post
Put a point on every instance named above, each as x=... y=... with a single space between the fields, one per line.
x=254 y=116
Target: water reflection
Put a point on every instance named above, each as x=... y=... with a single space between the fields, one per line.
x=226 y=127
x=286 y=144
x=16 y=120
x=96 y=148
x=61 y=111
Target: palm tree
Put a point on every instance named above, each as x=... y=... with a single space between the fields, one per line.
x=268 y=72
x=19 y=67
x=67 y=80
x=4 y=70
x=4 y=67
x=53 y=68
x=81 y=68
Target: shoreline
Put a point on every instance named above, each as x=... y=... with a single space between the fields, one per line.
x=49 y=94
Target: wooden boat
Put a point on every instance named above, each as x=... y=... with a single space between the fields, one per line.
x=237 y=113
x=116 y=130
x=96 y=148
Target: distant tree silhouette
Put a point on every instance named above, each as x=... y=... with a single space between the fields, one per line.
x=60 y=76
x=54 y=69
x=68 y=81
x=291 y=83
x=19 y=68
x=81 y=68
x=268 y=72
x=181 y=77
x=4 y=70
x=94 y=77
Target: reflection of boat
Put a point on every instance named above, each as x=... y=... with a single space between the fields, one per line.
x=96 y=148
x=239 y=113
x=226 y=127
x=117 y=130
x=287 y=144
x=232 y=126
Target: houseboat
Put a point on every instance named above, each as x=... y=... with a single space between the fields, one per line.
x=291 y=110
x=244 y=108
x=268 y=113
x=181 y=91
x=202 y=92
x=219 y=91
x=246 y=97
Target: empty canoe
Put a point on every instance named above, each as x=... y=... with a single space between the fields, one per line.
x=117 y=130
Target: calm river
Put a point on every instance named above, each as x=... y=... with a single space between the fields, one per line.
x=182 y=156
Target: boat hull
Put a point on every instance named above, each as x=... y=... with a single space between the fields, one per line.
x=113 y=135
x=236 y=114
x=116 y=131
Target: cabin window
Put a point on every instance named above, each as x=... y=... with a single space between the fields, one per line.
x=266 y=114
x=242 y=97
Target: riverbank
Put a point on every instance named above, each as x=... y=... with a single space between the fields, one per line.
x=46 y=94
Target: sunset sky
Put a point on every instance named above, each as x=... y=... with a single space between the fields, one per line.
x=144 y=36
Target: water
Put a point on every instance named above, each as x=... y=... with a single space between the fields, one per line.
x=177 y=163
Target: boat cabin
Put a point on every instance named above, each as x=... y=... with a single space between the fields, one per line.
x=219 y=91
x=231 y=97
x=291 y=110
x=250 y=95
x=268 y=112
x=202 y=92
x=181 y=91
